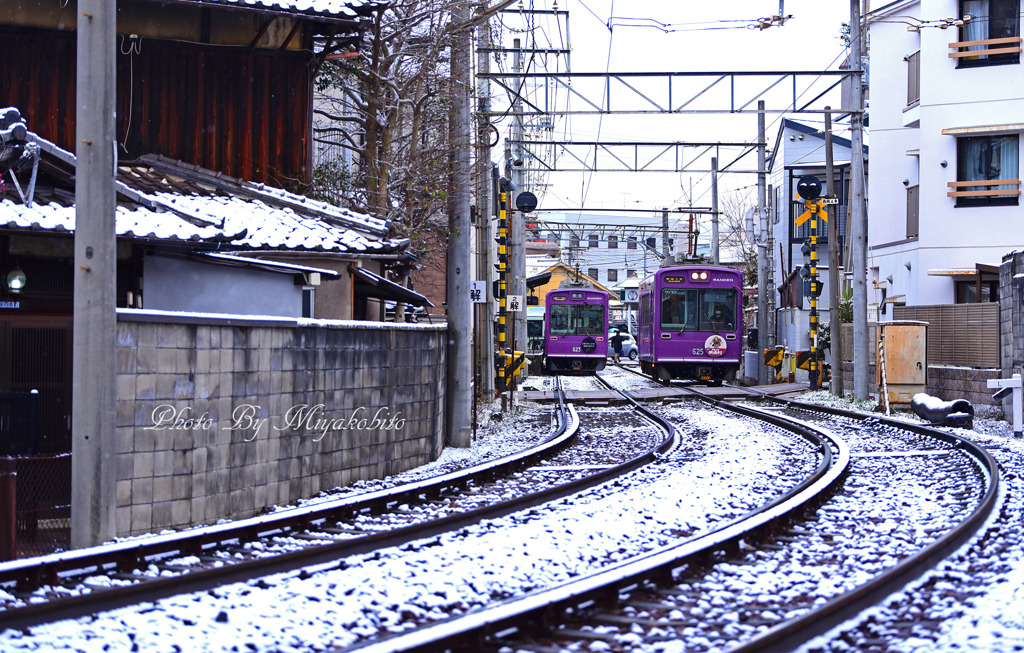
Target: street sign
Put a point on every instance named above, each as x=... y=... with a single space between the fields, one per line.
x=630 y=296
x=514 y=303
x=477 y=292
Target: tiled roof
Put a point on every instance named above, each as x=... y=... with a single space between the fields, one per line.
x=334 y=8
x=162 y=200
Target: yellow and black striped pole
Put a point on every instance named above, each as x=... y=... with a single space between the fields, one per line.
x=809 y=189
x=499 y=361
x=812 y=206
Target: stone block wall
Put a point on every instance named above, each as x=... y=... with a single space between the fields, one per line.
x=221 y=418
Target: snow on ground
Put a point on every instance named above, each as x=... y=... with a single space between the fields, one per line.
x=392 y=589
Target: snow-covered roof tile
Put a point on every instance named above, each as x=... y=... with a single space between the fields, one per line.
x=336 y=8
x=165 y=200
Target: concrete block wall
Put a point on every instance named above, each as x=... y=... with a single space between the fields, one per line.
x=222 y=418
x=1011 y=319
x=946 y=383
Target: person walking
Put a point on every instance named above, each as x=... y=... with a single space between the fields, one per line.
x=616 y=342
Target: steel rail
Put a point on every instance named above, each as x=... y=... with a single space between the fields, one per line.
x=470 y=632
x=154 y=589
x=794 y=633
x=127 y=554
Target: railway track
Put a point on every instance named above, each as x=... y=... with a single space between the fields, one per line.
x=711 y=592
x=84 y=582
x=80 y=582
x=535 y=621
x=671 y=584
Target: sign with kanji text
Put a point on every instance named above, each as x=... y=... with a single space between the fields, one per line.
x=514 y=303
x=478 y=292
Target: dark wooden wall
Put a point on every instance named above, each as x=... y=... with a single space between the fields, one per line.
x=244 y=112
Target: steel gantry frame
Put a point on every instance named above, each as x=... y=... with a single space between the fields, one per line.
x=609 y=102
x=621 y=156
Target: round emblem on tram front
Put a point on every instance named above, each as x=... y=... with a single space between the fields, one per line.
x=715 y=346
x=589 y=345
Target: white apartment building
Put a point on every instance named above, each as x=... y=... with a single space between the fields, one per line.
x=946 y=114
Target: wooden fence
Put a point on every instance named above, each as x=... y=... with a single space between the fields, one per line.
x=965 y=335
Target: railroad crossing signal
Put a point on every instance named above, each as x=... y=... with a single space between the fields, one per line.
x=815 y=207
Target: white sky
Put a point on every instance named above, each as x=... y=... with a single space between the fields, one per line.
x=693 y=36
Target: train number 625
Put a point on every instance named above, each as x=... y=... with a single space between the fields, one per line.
x=697 y=351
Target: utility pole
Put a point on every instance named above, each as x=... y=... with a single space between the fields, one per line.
x=94 y=393
x=762 y=251
x=483 y=210
x=665 y=250
x=517 y=229
x=858 y=215
x=834 y=327
x=714 y=210
x=459 y=393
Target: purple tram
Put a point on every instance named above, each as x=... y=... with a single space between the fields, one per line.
x=690 y=324
x=575 y=330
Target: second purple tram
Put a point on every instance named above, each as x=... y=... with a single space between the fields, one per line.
x=690 y=324
x=575 y=330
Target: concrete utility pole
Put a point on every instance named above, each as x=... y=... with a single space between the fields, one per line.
x=665 y=250
x=762 y=250
x=516 y=226
x=483 y=210
x=858 y=215
x=94 y=393
x=714 y=210
x=459 y=394
x=834 y=328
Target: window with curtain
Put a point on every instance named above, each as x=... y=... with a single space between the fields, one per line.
x=990 y=19
x=613 y=242
x=988 y=158
x=593 y=241
x=631 y=243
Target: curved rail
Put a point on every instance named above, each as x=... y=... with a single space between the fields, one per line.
x=796 y=632
x=468 y=632
x=130 y=554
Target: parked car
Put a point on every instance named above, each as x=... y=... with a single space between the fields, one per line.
x=629 y=349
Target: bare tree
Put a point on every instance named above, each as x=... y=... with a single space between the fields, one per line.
x=736 y=244
x=383 y=118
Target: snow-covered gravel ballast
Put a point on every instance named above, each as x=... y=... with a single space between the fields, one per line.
x=731 y=467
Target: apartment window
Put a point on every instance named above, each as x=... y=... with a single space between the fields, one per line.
x=986 y=171
x=992 y=36
x=592 y=273
x=630 y=273
x=574 y=241
x=652 y=242
x=613 y=275
x=913 y=210
x=631 y=243
x=613 y=242
x=914 y=78
x=593 y=241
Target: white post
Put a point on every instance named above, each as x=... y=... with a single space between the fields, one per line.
x=1018 y=406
